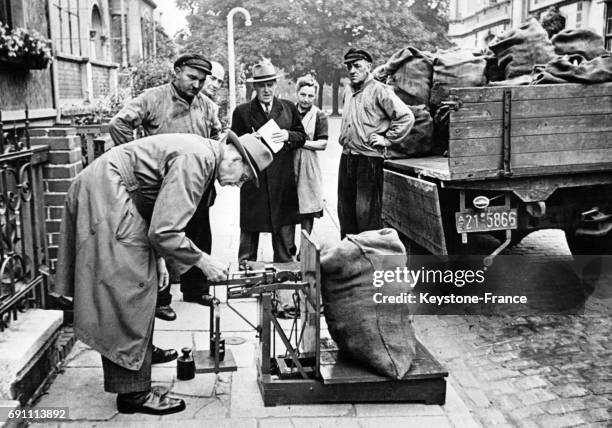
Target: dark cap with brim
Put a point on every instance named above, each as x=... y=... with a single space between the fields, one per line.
x=355 y=55
x=195 y=61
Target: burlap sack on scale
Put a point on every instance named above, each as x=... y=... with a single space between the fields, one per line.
x=381 y=336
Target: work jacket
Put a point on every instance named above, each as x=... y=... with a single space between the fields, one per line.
x=108 y=250
x=274 y=203
x=373 y=109
x=161 y=110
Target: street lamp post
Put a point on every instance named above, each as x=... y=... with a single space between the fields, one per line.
x=230 y=54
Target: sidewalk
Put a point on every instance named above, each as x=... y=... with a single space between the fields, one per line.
x=226 y=400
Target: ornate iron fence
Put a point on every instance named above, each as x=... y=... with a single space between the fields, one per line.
x=23 y=245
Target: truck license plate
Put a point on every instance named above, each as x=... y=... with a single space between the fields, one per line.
x=492 y=218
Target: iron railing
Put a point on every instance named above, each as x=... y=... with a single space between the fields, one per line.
x=23 y=244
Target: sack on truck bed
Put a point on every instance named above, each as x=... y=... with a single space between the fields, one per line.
x=579 y=41
x=419 y=141
x=518 y=50
x=378 y=335
x=409 y=72
x=575 y=69
x=455 y=69
x=452 y=69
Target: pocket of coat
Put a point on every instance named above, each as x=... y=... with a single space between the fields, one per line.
x=132 y=229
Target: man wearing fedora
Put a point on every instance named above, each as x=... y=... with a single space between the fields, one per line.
x=374 y=119
x=274 y=206
x=125 y=217
x=177 y=107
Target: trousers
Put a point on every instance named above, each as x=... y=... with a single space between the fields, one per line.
x=283 y=244
x=360 y=189
x=120 y=380
x=198 y=230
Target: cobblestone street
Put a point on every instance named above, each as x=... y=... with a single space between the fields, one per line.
x=528 y=371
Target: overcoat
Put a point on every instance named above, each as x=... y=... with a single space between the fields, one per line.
x=108 y=250
x=274 y=203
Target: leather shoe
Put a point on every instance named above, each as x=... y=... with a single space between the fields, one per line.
x=165 y=313
x=163 y=355
x=202 y=299
x=153 y=402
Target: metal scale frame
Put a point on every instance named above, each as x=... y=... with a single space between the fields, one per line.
x=308 y=372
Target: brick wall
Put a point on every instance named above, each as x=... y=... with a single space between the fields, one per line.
x=101 y=81
x=65 y=162
x=70 y=79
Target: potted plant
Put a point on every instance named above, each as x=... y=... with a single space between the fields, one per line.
x=21 y=48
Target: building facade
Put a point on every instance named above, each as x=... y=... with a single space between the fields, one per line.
x=91 y=45
x=474 y=22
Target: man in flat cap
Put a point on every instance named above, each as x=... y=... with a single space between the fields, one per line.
x=176 y=107
x=374 y=119
x=125 y=216
x=274 y=206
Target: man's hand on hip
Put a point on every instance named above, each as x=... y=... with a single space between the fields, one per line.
x=379 y=142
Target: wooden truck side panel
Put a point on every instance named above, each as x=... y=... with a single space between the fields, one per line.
x=412 y=206
x=551 y=129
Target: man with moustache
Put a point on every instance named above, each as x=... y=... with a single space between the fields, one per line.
x=374 y=119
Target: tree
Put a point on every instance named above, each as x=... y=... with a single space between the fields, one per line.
x=165 y=46
x=311 y=36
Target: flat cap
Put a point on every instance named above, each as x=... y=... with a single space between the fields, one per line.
x=354 y=54
x=194 y=60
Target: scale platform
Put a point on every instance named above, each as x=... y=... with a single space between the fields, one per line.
x=205 y=363
x=345 y=381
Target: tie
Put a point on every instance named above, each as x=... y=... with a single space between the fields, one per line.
x=267 y=109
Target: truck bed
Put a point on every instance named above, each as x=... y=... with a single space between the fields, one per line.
x=524 y=131
x=432 y=166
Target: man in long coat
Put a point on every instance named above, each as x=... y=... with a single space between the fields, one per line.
x=124 y=215
x=176 y=107
x=274 y=206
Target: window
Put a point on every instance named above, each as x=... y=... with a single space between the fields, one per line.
x=5 y=12
x=68 y=40
x=147 y=27
x=96 y=35
x=608 y=25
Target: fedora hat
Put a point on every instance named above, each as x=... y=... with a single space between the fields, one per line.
x=255 y=153
x=263 y=71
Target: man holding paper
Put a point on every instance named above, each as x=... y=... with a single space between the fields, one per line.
x=273 y=207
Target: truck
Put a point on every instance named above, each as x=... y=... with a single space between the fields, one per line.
x=520 y=159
